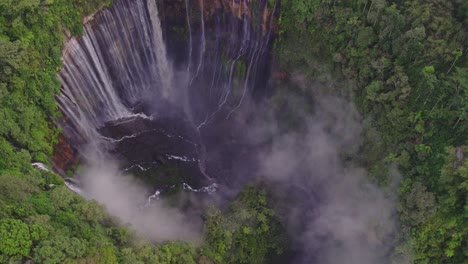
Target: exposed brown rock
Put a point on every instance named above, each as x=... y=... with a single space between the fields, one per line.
x=65 y=156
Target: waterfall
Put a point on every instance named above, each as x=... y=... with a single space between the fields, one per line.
x=132 y=112
x=189 y=26
x=254 y=60
x=122 y=93
x=165 y=71
x=202 y=39
x=119 y=62
x=242 y=39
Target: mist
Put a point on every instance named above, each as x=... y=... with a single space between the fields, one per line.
x=127 y=199
x=304 y=148
x=334 y=214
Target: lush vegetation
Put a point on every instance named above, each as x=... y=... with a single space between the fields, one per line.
x=32 y=33
x=404 y=63
x=40 y=219
x=248 y=232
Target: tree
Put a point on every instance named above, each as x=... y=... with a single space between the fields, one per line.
x=15 y=240
x=58 y=248
x=418 y=206
x=249 y=232
x=176 y=253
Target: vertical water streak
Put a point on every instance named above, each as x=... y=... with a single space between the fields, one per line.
x=165 y=70
x=254 y=62
x=202 y=39
x=119 y=62
x=189 y=26
x=87 y=94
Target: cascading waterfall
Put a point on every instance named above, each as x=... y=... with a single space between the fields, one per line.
x=255 y=60
x=202 y=40
x=131 y=108
x=121 y=68
x=189 y=27
x=119 y=62
x=237 y=48
x=168 y=122
x=165 y=71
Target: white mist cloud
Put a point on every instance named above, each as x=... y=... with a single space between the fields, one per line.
x=352 y=220
x=336 y=216
x=123 y=197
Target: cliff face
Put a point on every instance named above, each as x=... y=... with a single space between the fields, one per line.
x=183 y=19
x=224 y=44
x=219 y=53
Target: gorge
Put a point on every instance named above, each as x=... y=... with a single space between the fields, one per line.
x=119 y=74
x=233 y=131
x=201 y=112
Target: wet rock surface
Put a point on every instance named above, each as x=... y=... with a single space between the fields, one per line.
x=162 y=151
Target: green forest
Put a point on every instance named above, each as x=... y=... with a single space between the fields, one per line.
x=403 y=63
